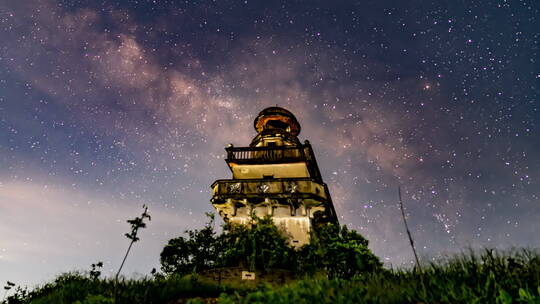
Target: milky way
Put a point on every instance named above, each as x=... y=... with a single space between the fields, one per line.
x=106 y=105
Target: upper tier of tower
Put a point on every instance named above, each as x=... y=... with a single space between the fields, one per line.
x=276 y=127
x=275 y=152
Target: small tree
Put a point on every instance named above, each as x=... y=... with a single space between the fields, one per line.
x=95 y=271
x=338 y=251
x=136 y=224
x=260 y=246
x=195 y=253
x=334 y=249
x=7 y=287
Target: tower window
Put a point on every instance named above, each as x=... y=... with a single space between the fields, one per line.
x=276 y=124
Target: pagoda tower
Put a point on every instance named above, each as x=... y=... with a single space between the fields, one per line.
x=277 y=176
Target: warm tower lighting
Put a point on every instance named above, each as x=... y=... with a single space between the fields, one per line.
x=276 y=176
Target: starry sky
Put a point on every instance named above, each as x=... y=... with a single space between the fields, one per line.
x=109 y=105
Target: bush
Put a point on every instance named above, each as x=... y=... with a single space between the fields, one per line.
x=334 y=250
x=260 y=246
x=188 y=255
x=337 y=251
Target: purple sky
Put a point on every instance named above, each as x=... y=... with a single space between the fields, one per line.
x=108 y=106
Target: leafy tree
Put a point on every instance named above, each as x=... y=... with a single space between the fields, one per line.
x=260 y=245
x=334 y=250
x=95 y=271
x=338 y=251
x=197 y=252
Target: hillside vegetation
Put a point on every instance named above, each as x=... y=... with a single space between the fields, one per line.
x=336 y=267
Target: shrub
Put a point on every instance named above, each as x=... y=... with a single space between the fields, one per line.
x=337 y=251
x=261 y=246
x=334 y=250
x=199 y=251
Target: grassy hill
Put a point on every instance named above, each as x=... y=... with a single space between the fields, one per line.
x=335 y=267
x=489 y=277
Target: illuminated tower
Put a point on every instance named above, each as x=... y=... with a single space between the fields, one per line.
x=277 y=176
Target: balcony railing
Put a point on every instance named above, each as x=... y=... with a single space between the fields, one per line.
x=285 y=188
x=274 y=155
x=279 y=154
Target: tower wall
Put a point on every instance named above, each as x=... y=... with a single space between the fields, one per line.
x=294 y=170
x=275 y=176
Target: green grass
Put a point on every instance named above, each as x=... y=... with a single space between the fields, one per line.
x=488 y=277
x=78 y=288
x=485 y=278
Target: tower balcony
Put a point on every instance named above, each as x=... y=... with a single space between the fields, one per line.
x=267 y=155
x=297 y=158
x=305 y=188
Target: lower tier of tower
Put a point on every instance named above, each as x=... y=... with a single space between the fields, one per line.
x=296 y=228
x=296 y=223
x=294 y=204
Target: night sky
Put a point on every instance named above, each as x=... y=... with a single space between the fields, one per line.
x=109 y=105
